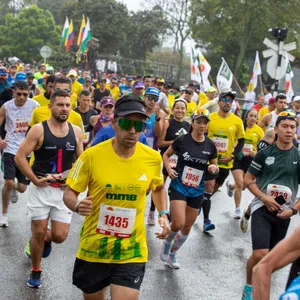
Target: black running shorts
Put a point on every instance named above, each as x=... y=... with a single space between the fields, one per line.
x=220 y=177
x=92 y=277
x=10 y=169
x=267 y=229
x=193 y=202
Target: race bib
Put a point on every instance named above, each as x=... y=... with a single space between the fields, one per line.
x=150 y=141
x=276 y=190
x=173 y=161
x=247 y=149
x=21 y=124
x=191 y=177
x=116 y=221
x=221 y=143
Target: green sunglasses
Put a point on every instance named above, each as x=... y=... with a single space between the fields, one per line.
x=127 y=124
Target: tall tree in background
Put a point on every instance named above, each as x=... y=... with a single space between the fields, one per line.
x=236 y=29
x=178 y=14
x=24 y=34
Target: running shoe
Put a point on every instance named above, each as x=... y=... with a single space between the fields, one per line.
x=151 y=218
x=172 y=262
x=208 y=225
x=244 y=222
x=34 y=280
x=27 y=250
x=165 y=251
x=47 y=249
x=229 y=189
x=14 y=197
x=3 y=221
x=237 y=214
x=247 y=292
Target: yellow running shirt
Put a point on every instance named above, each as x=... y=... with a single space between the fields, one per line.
x=225 y=132
x=114 y=92
x=43 y=113
x=191 y=107
x=202 y=99
x=262 y=112
x=76 y=87
x=119 y=236
x=41 y=99
x=252 y=138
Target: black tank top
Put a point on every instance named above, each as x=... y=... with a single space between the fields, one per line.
x=56 y=154
x=175 y=130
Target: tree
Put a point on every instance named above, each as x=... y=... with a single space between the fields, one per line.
x=178 y=13
x=24 y=34
x=235 y=29
x=146 y=29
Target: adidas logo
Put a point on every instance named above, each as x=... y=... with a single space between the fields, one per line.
x=143 y=178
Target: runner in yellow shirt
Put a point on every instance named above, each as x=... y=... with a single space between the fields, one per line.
x=266 y=110
x=191 y=105
x=253 y=135
x=76 y=86
x=113 y=249
x=112 y=86
x=43 y=99
x=227 y=132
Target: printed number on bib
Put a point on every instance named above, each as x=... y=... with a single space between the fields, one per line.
x=116 y=221
x=247 y=149
x=173 y=161
x=21 y=124
x=191 y=177
x=221 y=144
x=276 y=190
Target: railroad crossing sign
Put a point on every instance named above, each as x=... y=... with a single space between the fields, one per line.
x=277 y=72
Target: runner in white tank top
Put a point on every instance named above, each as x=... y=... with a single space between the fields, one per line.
x=17 y=114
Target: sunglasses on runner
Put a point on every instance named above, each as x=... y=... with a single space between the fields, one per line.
x=287 y=114
x=22 y=94
x=127 y=124
x=226 y=100
x=59 y=89
x=152 y=98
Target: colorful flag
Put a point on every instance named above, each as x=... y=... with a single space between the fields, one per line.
x=195 y=71
x=86 y=36
x=64 y=32
x=256 y=71
x=224 y=77
x=81 y=32
x=288 y=80
x=70 y=37
x=205 y=68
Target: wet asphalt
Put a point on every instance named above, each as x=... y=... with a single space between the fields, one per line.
x=212 y=265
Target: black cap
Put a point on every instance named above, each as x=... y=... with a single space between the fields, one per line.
x=130 y=105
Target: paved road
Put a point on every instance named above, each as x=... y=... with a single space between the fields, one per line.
x=212 y=265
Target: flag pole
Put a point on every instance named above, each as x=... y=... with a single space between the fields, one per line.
x=261 y=84
x=236 y=82
x=212 y=82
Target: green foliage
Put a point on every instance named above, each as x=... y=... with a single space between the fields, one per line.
x=23 y=35
x=236 y=29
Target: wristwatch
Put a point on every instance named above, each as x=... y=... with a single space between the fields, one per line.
x=295 y=211
x=157 y=119
x=164 y=212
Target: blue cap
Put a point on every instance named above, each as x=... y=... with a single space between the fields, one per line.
x=21 y=77
x=3 y=71
x=152 y=91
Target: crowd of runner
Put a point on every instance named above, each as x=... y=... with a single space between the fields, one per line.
x=119 y=138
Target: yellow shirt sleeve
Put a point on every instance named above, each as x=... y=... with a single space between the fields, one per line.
x=79 y=176
x=158 y=178
x=202 y=99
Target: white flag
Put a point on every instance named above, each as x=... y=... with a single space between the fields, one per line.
x=195 y=73
x=288 y=80
x=205 y=70
x=256 y=71
x=224 y=77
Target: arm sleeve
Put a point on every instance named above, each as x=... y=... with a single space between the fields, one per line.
x=256 y=166
x=239 y=146
x=80 y=173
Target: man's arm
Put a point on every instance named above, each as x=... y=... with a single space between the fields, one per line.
x=158 y=125
x=79 y=140
x=159 y=197
x=30 y=143
x=285 y=252
x=3 y=143
x=264 y=122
